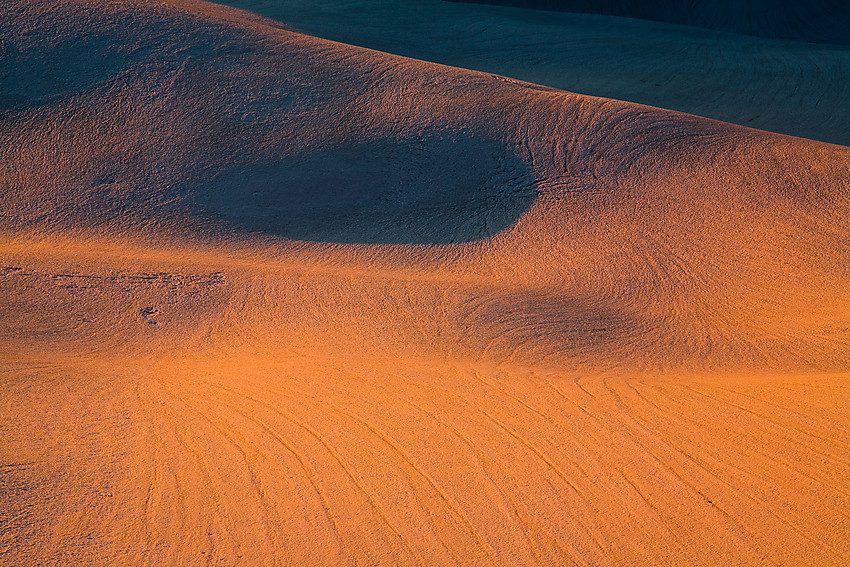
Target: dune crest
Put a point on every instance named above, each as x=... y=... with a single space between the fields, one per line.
x=274 y=300
x=791 y=87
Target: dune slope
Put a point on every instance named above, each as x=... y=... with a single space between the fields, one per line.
x=820 y=21
x=792 y=87
x=274 y=300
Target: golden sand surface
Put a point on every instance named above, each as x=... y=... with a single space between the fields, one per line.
x=267 y=299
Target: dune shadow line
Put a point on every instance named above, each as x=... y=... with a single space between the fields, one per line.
x=436 y=188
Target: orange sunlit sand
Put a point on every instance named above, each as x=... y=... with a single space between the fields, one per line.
x=268 y=299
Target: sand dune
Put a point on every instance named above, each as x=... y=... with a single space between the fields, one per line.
x=274 y=300
x=820 y=21
x=790 y=87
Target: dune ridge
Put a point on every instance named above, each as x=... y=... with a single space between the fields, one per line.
x=791 y=87
x=516 y=325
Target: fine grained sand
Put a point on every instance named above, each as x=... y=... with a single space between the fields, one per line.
x=273 y=300
x=791 y=87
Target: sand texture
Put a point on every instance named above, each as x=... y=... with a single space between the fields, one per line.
x=792 y=87
x=271 y=299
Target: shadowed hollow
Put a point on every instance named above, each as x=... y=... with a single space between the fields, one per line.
x=268 y=299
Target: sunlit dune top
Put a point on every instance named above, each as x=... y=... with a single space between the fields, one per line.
x=610 y=233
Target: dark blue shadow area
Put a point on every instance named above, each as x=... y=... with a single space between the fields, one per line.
x=433 y=189
x=819 y=21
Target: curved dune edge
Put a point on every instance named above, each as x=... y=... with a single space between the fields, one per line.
x=647 y=365
x=791 y=87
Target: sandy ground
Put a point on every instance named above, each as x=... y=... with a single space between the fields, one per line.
x=791 y=87
x=822 y=21
x=269 y=299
